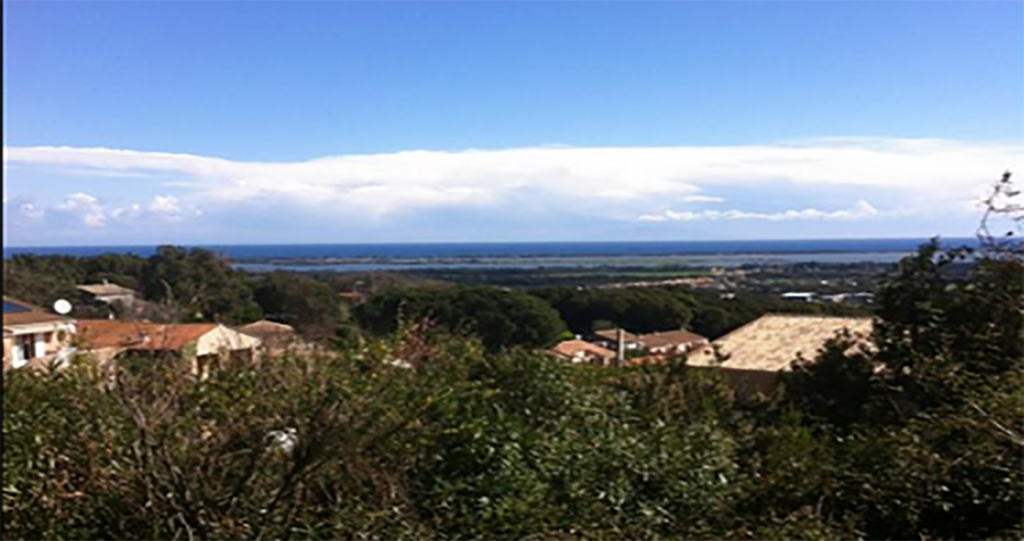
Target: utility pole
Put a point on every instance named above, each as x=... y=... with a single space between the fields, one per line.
x=620 y=346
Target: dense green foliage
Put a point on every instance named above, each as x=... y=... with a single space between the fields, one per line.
x=425 y=435
x=309 y=305
x=199 y=284
x=652 y=309
x=639 y=310
x=466 y=444
x=928 y=423
x=182 y=284
x=44 y=279
x=500 y=318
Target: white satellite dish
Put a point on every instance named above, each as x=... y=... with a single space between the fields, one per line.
x=62 y=307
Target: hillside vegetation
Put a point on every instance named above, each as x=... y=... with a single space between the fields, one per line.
x=422 y=434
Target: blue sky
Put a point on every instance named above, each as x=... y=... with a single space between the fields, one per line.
x=261 y=122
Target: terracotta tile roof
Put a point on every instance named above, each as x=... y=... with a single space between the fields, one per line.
x=31 y=315
x=570 y=348
x=671 y=338
x=772 y=342
x=110 y=333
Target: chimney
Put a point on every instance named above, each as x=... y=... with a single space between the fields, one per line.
x=620 y=349
x=106 y=282
x=143 y=337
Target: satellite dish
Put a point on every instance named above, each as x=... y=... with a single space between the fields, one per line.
x=62 y=307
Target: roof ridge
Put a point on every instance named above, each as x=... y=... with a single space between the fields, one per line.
x=798 y=314
x=780 y=314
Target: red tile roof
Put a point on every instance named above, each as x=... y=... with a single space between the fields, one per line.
x=671 y=338
x=570 y=348
x=109 y=333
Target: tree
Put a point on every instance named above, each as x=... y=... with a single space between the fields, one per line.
x=307 y=304
x=636 y=309
x=500 y=318
x=200 y=284
x=932 y=413
x=837 y=385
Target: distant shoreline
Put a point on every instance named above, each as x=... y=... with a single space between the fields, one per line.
x=533 y=256
x=407 y=252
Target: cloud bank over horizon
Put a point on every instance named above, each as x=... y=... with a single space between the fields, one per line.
x=821 y=180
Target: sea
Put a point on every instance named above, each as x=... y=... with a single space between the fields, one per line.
x=532 y=255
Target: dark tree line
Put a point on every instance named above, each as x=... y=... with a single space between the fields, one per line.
x=500 y=318
x=652 y=309
x=309 y=305
x=186 y=284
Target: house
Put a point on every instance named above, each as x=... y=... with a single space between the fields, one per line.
x=110 y=293
x=274 y=336
x=34 y=336
x=859 y=299
x=609 y=339
x=672 y=342
x=580 y=351
x=654 y=344
x=756 y=353
x=205 y=346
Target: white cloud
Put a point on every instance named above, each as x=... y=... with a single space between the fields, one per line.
x=167 y=207
x=130 y=212
x=85 y=208
x=31 y=212
x=862 y=209
x=82 y=209
x=703 y=199
x=163 y=207
x=617 y=181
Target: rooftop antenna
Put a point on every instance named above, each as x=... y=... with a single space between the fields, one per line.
x=62 y=307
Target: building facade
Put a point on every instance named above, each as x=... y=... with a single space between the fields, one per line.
x=33 y=336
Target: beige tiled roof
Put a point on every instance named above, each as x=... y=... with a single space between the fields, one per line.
x=105 y=290
x=266 y=327
x=772 y=342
